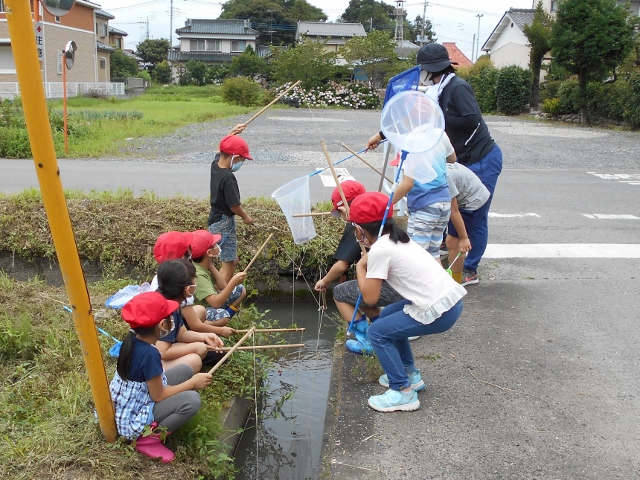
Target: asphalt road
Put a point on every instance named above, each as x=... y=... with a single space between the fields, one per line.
x=539 y=378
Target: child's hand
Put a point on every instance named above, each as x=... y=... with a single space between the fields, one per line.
x=321 y=286
x=464 y=245
x=226 y=331
x=201 y=380
x=200 y=348
x=247 y=220
x=374 y=141
x=213 y=340
x=238 y=129
x=238 y=278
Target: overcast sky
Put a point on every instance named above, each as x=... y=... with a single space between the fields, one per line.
x=453 y=20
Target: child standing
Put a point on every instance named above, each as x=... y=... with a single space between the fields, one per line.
x=433 y=300
x=220 y=297
x=469 y=202
x=144 y=395
x=225 y=200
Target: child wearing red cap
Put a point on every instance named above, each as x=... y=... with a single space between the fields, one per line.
x=220 y=297
x=433 y=300
x=225 y=200
x=145 y=396
x=346 y=294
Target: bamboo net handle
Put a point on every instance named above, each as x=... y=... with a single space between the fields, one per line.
x=231 y=350
x=255 y=257
x=271 y=103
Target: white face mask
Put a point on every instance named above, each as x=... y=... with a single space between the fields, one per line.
x=236 y=166
x=426 y=78
x=217 y=252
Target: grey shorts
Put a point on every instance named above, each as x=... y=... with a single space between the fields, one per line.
x=348 y=292
x=226 y=227
x=222 y=312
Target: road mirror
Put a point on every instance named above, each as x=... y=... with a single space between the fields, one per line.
x=58 y=8
x=70 y=54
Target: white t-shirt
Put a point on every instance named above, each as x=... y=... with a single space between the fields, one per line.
x=416 y=276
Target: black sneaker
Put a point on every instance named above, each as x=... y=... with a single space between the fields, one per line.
x=469 y=277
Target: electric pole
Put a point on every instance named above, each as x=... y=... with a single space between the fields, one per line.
x=479 y=15
x=424 y=22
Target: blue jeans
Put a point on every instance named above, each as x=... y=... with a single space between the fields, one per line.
x=389 y=337
x=488 y=170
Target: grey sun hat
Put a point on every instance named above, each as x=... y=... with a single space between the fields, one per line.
x=433 y=57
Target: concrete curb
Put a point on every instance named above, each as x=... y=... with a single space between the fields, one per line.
x=233 y=420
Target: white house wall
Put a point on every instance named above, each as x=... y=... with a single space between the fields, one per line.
x=225 y=41
x=509 y=35
x=511 y=54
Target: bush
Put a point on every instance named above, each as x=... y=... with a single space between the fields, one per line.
x=482 y=78
x=549 y=90
x=552 y=106
x=569 y=94
x=241 y=91
x=631 y=100
x=513 y=87
x=606 y=99
x=352 y=95
x=162 y=73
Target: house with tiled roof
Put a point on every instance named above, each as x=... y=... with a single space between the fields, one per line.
x=507 y=44
x=334 y=35
x=456 y=55
x=212 y=42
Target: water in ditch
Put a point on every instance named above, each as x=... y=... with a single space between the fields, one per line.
x=286 y=441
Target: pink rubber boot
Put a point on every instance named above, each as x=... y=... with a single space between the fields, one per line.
x=152 y=447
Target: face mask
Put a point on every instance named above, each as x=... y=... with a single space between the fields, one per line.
x=362 y=240
x=235 y=166
x=426 y=79
x=163 y=330
x=215 y=252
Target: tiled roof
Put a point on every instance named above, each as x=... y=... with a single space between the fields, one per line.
x=103 y=14
x=456 y=55
x=104 y=47
x=325 y=29
x=518 y=16
x=115 y=31
x=218 y=26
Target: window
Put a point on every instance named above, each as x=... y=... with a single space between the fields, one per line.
x=1 y=5
x=103 y=62
x=103 y=30
x=554 y=5
x=197 y=45
x=57 y=19
x=119 y=43
x=7 y=64
x=238 y=45
x=213 y=45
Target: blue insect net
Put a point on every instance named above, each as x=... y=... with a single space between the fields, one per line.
x=407 y=80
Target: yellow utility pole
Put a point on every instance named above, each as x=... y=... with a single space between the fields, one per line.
x=23 y=44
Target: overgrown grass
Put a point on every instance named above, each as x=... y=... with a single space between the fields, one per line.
x=47 y=426
x=103 y=125
x=118 y=230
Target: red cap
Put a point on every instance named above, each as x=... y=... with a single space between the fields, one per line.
x=147 y=310
x=201 y=241
x=171 y=245
x=234 y=145
x=351 y=190
x=369 y=207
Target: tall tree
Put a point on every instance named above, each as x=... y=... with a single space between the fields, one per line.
x=414 y=30
x=122 y=65
x=370 y=13
x=153 y=51
x=307 y=61
x=248 y=64
x=539 y=36
x=374 y=54
x=590 y=38
x=276 y=20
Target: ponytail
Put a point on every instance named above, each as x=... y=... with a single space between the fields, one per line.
x=124 y=358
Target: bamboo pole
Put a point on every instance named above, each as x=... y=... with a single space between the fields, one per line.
x=258 y=253
x=266 y=330
x=271 y=103
x=260 y=347
x=231 y=350
x=366 y=163
x=312 y=214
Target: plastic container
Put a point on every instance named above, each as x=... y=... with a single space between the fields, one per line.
x=294 y=198
x=412 y=122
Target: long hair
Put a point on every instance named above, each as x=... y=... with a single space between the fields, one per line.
x=173 y=277
x=124 y=359
x=448 y=69
x=396 y=234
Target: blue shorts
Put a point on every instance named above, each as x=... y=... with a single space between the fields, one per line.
x=426 y=226
x=470 y=218
x=226 y=227
x=222 y=312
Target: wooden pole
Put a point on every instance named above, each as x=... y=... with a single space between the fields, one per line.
x=367 y=163
x=258 y=253
x=260 y=347
x=271 y=103
x=231 y=350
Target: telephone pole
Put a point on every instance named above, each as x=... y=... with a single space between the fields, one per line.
x=424 y=22
x=479 y=15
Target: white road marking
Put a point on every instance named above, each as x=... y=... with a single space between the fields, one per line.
x=512 y=215
x=605 y=216
x=563 y=250
x=630 y=178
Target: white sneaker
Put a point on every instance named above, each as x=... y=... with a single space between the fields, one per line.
x=414 y=338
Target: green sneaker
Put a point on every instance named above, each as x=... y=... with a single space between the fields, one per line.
x=393 y=400
x=414 y=378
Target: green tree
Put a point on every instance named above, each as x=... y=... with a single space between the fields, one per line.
x=248 y=64
x=162 y=73
x=539 y=36
x=197 y=72
x=307 y=61
x=373 y=53
x=122 y=65
x=276 y=20
x=590 y=38
x=153 y=51
x=370 y=13
x=414 y=30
